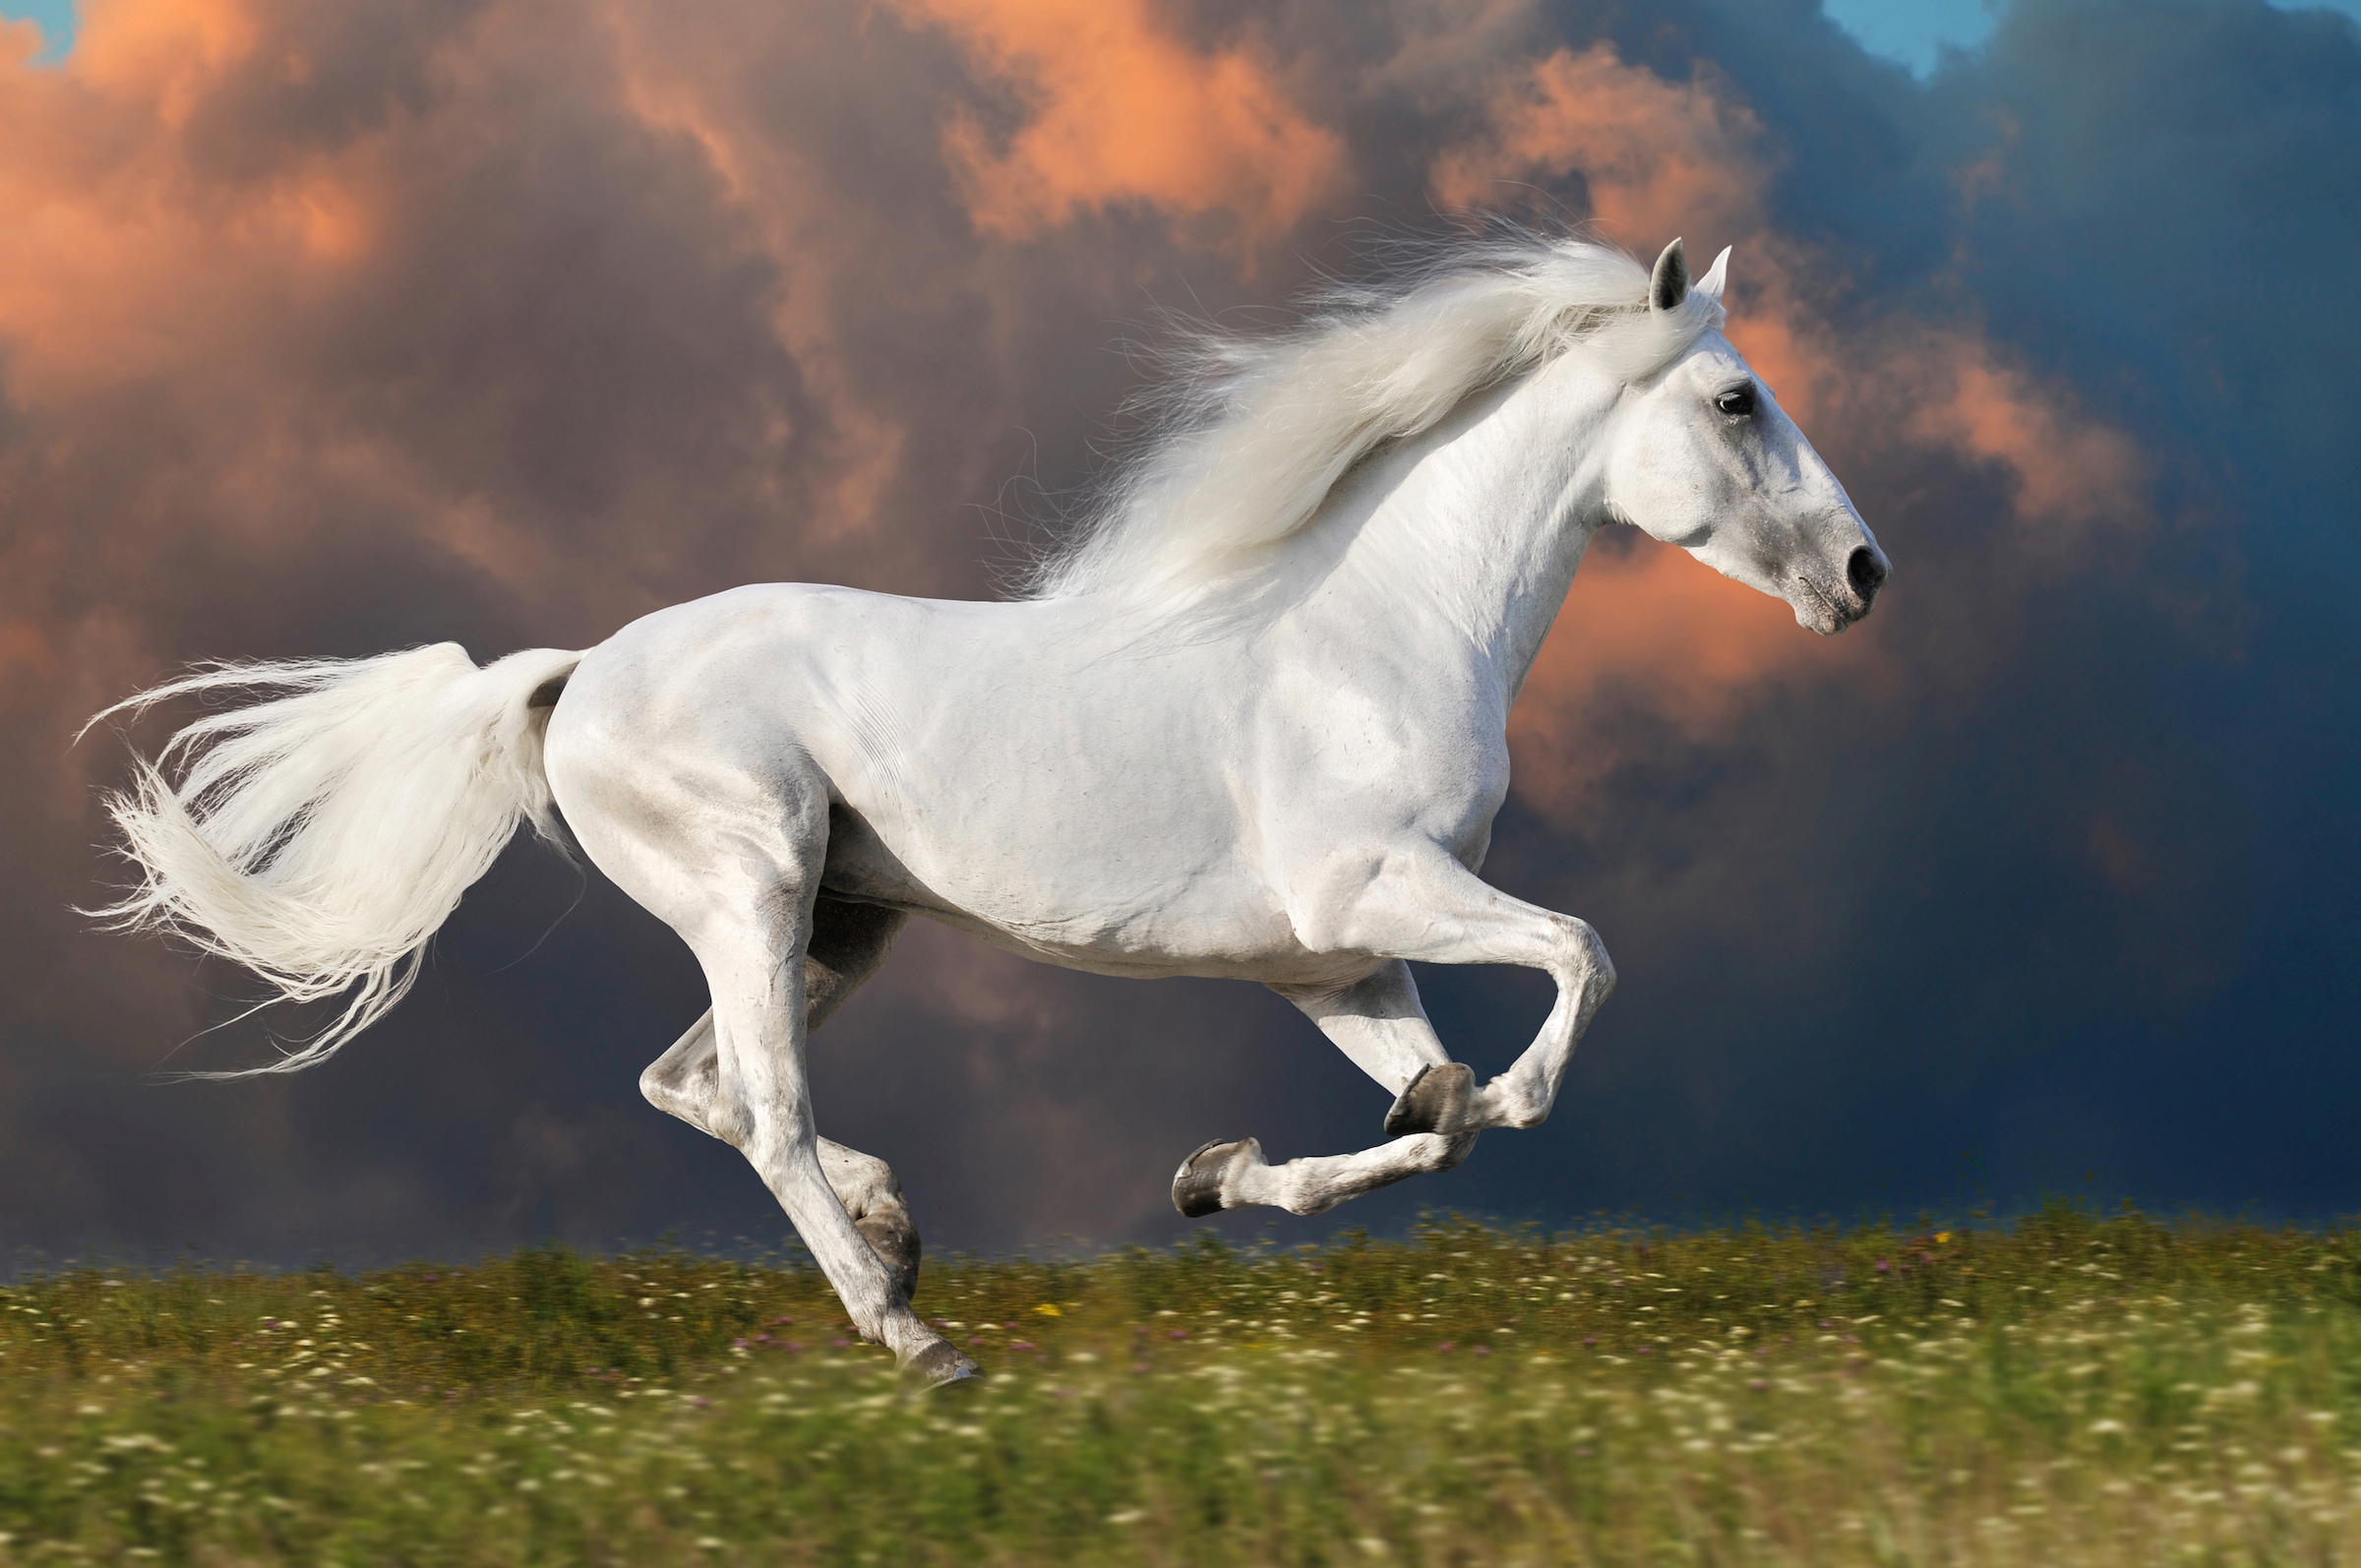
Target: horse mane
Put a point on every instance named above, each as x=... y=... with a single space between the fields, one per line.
x=1250 y=433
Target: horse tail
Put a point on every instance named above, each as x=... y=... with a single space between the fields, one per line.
x=320 y=832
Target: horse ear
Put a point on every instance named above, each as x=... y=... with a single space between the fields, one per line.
x=1709 y=285
x=1670 y=284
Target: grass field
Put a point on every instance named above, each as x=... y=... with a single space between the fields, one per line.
x=2068 y=1390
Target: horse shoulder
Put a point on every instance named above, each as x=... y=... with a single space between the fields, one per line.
x=1358 y=762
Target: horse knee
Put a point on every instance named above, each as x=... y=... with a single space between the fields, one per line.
x=1587 y=964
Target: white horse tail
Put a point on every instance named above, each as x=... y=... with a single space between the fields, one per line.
x=321 y=835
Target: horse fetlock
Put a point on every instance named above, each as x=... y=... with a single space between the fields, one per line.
x=891 y=1234
x=1509 y=1102
x=1438 y=1099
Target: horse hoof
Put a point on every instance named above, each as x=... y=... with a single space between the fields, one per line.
x=1198 y=1185
x=895 y=1240
x=1436 y=1100
x=938 y=1366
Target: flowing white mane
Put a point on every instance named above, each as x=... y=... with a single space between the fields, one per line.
x=1253 y=432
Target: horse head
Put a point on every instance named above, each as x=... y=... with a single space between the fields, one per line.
x=1701 y=456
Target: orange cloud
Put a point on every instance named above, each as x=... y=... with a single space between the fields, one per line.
x=2063 y=467
x=1121 y=112
x=168 y=56
x=1660 y=157
x=125 y=262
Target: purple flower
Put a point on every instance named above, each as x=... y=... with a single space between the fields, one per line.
x=841 y=1344
x=1445 y=1345
x=1592 y=1340
x=1883 y=1265
x=1483 y=1349
x=737 y=1345
x=1179 y=1333
x=702 y=1403
x=794 y=1346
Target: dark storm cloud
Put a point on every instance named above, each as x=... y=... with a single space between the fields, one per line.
x=330 y=331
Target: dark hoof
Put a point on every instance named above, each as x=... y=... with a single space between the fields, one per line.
x=1198 y=1185
x=1436 y=1100
x=895 y=1240
x=940 y=1366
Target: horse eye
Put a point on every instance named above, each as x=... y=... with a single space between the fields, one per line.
x=1737 y=403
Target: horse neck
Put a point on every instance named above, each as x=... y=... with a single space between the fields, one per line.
x=1473 y=545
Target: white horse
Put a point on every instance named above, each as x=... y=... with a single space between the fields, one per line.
x=1251 y=724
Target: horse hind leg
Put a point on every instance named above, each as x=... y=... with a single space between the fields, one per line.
x=849 y=944
x=867 y=1187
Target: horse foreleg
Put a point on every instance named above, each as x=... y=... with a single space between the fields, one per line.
x=1235 y=1175
x=1428 y=907
x=1377 y=1023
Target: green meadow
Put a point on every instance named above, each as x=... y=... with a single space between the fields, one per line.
x=2069 y=1389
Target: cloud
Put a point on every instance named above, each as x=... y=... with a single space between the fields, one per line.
x=1117 y=111
x=1655 y=156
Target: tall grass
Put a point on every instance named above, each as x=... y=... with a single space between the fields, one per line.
x=2070 y=1390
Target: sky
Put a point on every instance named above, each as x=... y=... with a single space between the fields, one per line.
x=1915 y=33
x=329 y=330
x=1919 y=33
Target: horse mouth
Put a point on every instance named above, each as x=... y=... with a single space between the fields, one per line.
x=1819 y=610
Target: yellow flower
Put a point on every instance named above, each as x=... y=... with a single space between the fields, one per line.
x=1942 y=1238
x=1049 y=1309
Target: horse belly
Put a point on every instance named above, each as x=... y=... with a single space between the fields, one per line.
x=1123 y=894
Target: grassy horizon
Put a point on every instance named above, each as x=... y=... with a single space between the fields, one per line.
x=2071 y=1388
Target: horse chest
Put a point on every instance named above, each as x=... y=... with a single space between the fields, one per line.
x=1355 y=759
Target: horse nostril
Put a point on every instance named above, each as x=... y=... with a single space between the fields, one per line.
x=1865 y=571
